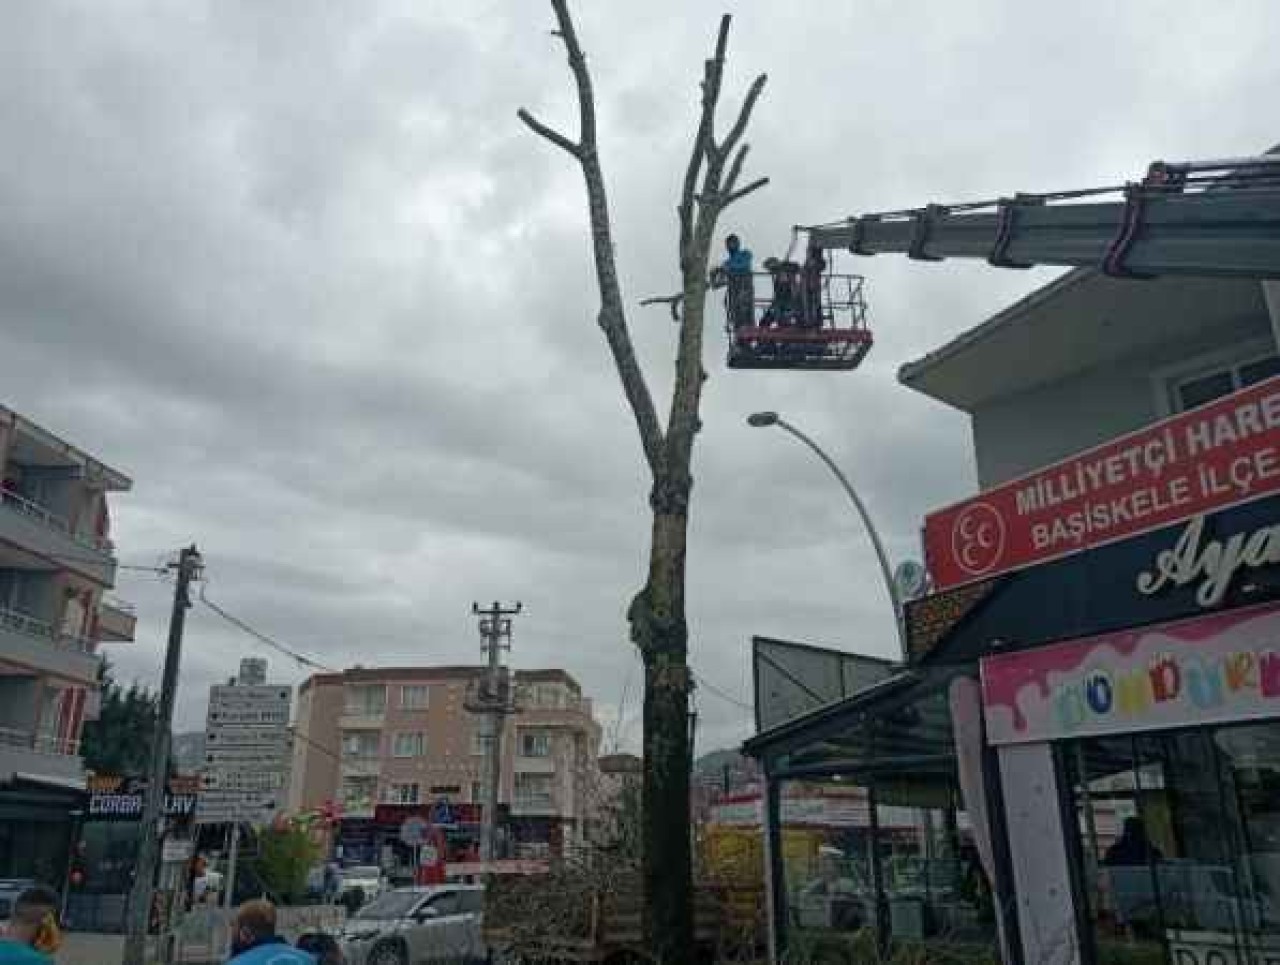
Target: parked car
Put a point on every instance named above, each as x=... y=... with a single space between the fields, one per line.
x=364 y=879
x=409 y=926
x=10 y=888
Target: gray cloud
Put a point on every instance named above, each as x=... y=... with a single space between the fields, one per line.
x=297 y=269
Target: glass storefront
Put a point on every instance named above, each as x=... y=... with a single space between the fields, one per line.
x=875 y=844
x=1178 y=844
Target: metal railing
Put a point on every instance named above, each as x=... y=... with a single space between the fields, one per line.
x=31 y=627
x=21 y=504
x=39 y=743
x=535 y=802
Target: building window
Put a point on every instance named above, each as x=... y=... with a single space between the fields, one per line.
x=358 y=795
x=402 y=794
x=550 y=696
x=1173 y=845
x=533 y=744
x=414 y=696
x=366 y=700
x=534 y=791
x=477 y=792
x=363 y=744
x=479 y=744
x=412 y=744
x=1205 y=386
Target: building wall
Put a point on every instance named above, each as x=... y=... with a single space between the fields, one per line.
x=1016 y=434
x=314 y=777
x=452 y=760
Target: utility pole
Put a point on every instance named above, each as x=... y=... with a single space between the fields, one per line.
x=494 y=699
x=141 y=895
x=230 y=884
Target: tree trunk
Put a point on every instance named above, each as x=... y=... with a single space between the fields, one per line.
x=659 y=628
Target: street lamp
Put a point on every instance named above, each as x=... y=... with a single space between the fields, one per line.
x=761 y=420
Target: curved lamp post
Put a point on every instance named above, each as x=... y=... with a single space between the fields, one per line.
x=765 y=419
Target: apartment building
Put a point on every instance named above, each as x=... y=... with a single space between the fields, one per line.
x=56 y=564
x=388 y=743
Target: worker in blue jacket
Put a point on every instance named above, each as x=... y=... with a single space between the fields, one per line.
x=735 y=272
x=254 y=940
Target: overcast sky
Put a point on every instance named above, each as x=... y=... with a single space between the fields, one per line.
x=296 y=269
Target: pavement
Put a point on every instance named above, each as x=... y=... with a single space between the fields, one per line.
x=88 y=948
x=91 y=948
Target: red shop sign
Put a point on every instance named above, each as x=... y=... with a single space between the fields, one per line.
x=1212 y=457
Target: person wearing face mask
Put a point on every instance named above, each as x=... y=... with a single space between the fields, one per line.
x=31 y=937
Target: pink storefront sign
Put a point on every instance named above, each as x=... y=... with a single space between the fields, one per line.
x=1208 y=670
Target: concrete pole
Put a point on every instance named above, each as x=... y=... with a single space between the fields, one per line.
x=494 y=702
x=142 y=893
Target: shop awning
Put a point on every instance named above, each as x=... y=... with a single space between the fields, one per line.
x=901 y=724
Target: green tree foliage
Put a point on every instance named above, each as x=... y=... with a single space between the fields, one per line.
x=119 y=741
x=285 y=856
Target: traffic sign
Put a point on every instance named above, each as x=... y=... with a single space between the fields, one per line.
x=245 y=735
x=219 y=807
x=235 y=758
x=236 y=696
x=413 y=831
x=248 y=714
x=442 y=812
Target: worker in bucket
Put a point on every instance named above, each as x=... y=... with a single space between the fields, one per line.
x=735 y=274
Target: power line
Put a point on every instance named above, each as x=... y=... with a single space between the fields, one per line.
x=723 y=695
x=310 y=743
x=258 y=635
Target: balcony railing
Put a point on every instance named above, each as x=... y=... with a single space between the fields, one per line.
x=33 y=510
x=39 y=743
x=530 y=803
x=29 y=626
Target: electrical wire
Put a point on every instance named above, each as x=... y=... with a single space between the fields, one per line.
x=722 y=694
x=310 y=743
x=132 y=567
x=301 y=659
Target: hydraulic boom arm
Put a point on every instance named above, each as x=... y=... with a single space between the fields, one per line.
x=1214 y=218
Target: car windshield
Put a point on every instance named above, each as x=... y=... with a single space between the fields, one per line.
x=361 y=871
x=397 y=904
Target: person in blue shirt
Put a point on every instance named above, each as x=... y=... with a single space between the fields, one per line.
x=254 y=940
x=735 y=273
x=31 y=936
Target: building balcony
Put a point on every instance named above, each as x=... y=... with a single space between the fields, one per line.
x=361 y=720
x=535 y=805
x=535 y=765
x=29 y=755
x=33 y=528
x=34 y=644
x=361 y=766
x=117 y=620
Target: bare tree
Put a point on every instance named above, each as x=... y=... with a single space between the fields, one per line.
x=657 y=613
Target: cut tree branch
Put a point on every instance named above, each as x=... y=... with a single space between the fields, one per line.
x=672 y=300
x=744 y=115
x=704 y=139
x=732 y=196
x=735 y=168
x=552 y=135
x=612 y=317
